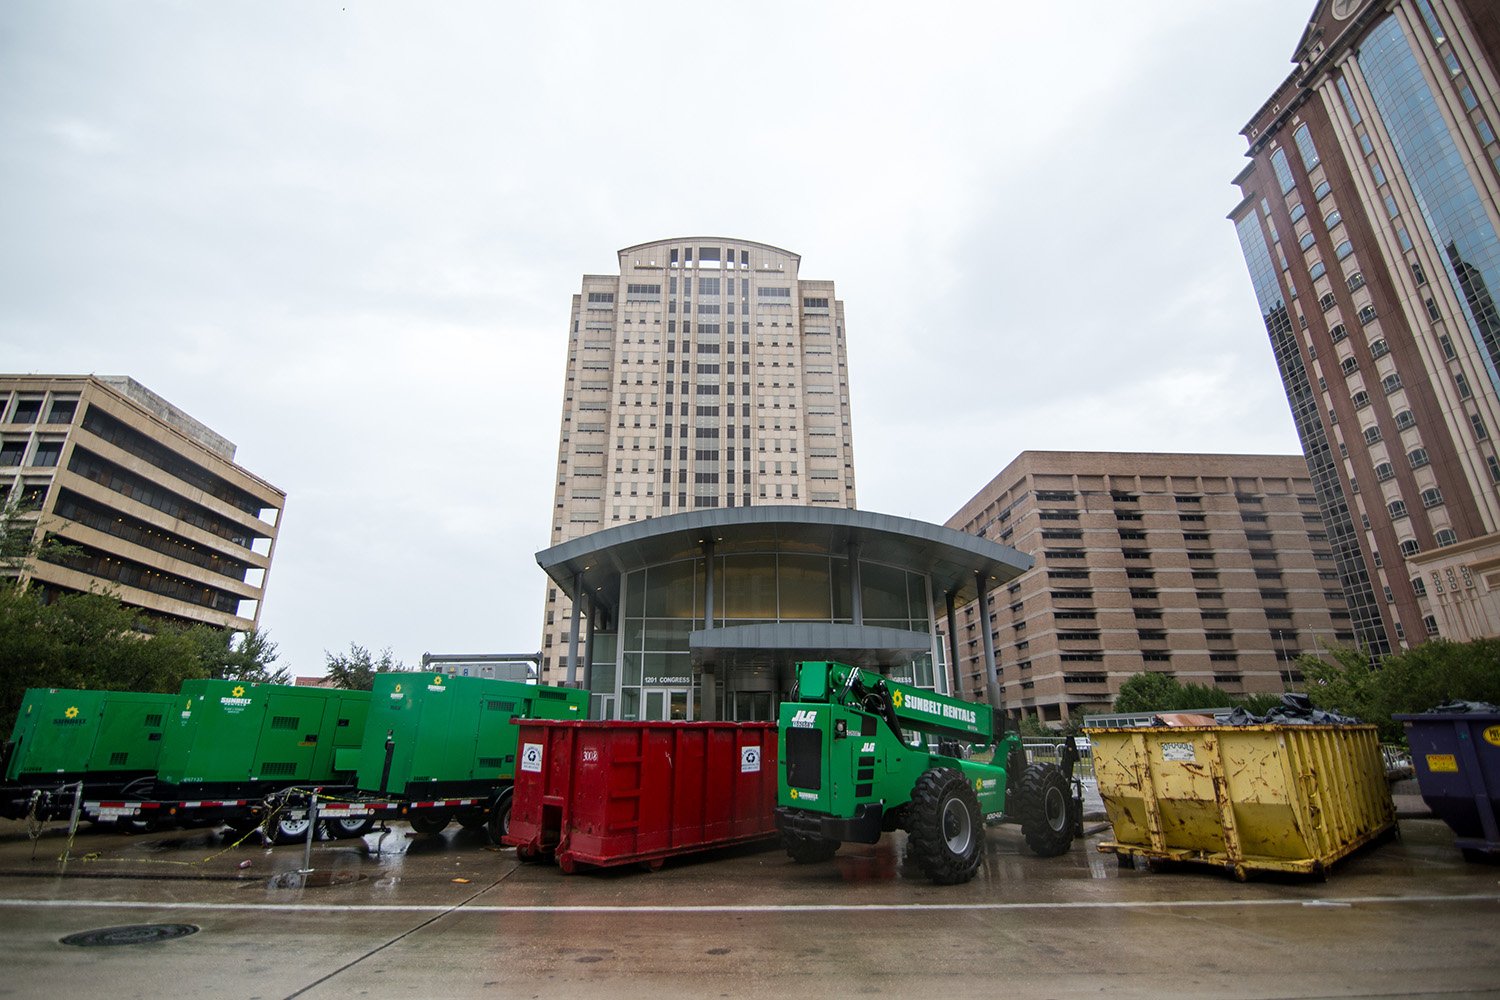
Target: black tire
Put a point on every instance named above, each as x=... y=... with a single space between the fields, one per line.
x=348 y=827
x=471 y=819
x=1046 y=810
x=497 y=821
x=428 y=822
x=290 y=829
x=945 y=829
x=809 y=850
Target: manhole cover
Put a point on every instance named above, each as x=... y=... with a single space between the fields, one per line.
x=131 y=934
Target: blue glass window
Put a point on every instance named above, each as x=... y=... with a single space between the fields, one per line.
x=1303 y=137
x=1365 y=145
x=1452 y=60
x=1343 y=250
x=1433 y=28
x=1317 y=270
x=1298 y=211
x=1321 y=191
x=1379 y=172
x=1283 y=170
x=1486 y=134
x=1467 y=93
x=1338 y=333
x=1390 y=206
x=1307 y=241
x=1343 y=86
x=1332 y=219
x=1404 y=237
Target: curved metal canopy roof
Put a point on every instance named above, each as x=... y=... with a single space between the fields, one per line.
x=951 y=558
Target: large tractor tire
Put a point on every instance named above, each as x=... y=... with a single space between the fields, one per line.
x=1046 y=810
x=945 y=829
x=809 y=850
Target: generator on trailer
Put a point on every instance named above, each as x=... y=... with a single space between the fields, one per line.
x=861 y=755
x=444 y=748
x=105 y=740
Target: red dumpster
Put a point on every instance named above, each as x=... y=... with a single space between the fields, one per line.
x=611 y=793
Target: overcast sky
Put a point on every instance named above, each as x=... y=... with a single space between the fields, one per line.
x=344 y=235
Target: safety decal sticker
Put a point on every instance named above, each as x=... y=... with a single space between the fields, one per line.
x=1178 y=752
x=1442 y=762
x=1492 y=735
x=531 y=757
x=749 y=760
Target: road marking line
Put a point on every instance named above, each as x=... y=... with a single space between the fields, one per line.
x=746 y=908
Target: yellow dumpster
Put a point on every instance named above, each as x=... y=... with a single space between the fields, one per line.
x=1245 y=798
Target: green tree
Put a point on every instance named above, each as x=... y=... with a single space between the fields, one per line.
x=356 y=670
x=238 y=656
x=1345 y=680
x=1153 y=692
x=85 y=641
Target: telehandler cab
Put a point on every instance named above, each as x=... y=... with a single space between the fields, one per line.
x=861 y=755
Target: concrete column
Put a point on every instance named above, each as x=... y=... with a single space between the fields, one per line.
x=991 y=671
x=707 y=710
x=708 y=703
x=957 y=690
x=588 y=650
x=573 y=630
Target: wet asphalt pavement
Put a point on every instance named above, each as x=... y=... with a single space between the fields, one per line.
x=447 y=915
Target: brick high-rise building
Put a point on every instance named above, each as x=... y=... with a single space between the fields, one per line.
x=1213 y=569
x=706 y=373
x=1371 y=226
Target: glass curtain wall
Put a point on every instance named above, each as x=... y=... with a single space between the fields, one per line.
x=649 y=670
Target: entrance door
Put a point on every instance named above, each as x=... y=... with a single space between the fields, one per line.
x=667 y=704
x=751 y=706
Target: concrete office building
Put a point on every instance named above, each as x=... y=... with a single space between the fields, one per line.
x=707 y=373
x=1370 y=222
x=149 y=501
x=1215 y=569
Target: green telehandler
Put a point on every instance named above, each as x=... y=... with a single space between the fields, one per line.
x=861 y=755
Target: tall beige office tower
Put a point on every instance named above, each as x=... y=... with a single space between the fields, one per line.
x=706 y=373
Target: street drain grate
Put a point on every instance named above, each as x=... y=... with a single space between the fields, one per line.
x=130 y=934
x=312 y=880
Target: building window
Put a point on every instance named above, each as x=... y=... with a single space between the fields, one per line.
x=1321 y=191
x=1361 y=399
x=1417 y=457
x=1372 y=434
x=1409 y=547
x=1463 y=386
x=1349 y=365
x=1379 y=348
x=47 y=452
x=1283 y=170
x=1307 y=240
x=11 y=450
x=1332 y=219
x=1367 y=314
x=1447 y=536
x=1309 y=152
x=1343 y=250
x=1396 y=508
x=1405 y=421
x=1356 y=281
x=1480 y=433
x=1418 y=586
x=1327 y=301
x=1317 y=270
x=1391 y=382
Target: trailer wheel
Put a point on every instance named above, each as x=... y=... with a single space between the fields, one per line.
x=470 y=819
x=809 y=850
x=427 y=822
x=288 y=829
x=1045 y=810
x=497 y=825
x=348 y=827
x=945 y=829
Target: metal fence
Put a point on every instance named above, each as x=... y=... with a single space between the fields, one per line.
x=1050 y=749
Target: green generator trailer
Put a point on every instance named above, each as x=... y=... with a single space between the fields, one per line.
x=107 y=740
x=233 y=738
x=445 y=747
